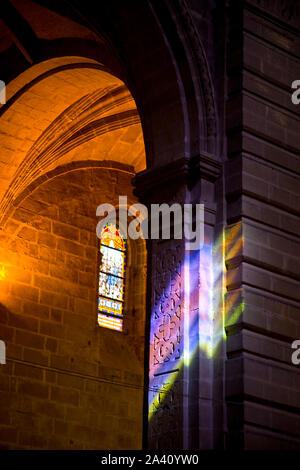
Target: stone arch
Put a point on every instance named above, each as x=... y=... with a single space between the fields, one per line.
x=90 y=107
x=200 y=75
x=178 y=118
x=193 y=73
x=90 y=142
x=177 y=123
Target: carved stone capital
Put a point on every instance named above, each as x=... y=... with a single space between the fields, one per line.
x=181 y=172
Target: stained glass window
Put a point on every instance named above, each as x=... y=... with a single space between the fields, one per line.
x=112 y=278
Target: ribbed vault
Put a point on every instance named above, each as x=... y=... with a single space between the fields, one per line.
x=70 y=112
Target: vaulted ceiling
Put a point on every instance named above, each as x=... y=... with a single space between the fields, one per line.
x=65 y=109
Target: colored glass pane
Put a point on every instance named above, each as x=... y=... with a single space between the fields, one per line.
x=110 y=322
x=112 y=261
x=112 y=236
x=111 y=286
x=111 y=278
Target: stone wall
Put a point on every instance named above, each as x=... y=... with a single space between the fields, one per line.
x=67 y=382
x=262 y=253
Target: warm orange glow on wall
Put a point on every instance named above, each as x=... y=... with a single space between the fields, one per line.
x=2 y=273
x=233 y=241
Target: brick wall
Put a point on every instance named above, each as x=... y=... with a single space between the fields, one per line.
x=67 y=382
x=262 y=190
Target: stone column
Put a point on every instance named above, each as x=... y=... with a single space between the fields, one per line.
x=180 y=311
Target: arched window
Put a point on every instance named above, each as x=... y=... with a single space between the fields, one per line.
x=112 y=278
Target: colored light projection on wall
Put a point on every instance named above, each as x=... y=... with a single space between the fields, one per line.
x=181 y=330
x=112 y=278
